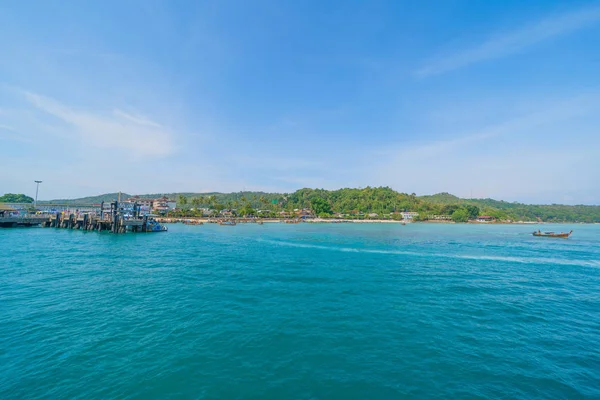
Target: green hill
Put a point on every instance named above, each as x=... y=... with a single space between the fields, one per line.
x=370 y=200
x=15 y=198
x=441 y=198
x=223 y=198
x=107 y=197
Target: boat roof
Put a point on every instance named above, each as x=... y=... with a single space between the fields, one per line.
x=4 y=207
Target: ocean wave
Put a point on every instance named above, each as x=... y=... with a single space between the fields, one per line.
x=511 y=259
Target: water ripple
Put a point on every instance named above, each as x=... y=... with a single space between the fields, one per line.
x=303 y=312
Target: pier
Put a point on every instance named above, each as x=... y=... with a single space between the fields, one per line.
x=87 y=222
x=115 y=220
x=14 y=222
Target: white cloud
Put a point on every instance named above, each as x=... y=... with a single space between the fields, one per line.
x=138 y=135
x=512 y=42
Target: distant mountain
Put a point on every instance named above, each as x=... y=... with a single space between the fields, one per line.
x=108 y=197
x=447 y=198
x=254 y=197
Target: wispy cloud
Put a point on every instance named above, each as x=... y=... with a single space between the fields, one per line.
x=10 y=133
x=136 y=134
x=512 y=42
x=508 y=160
x=137 y=119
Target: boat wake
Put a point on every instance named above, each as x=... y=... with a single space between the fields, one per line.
x=519 y=260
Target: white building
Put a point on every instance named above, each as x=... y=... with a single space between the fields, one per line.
x=141 y=202
x=163 y=204
x=409 y=215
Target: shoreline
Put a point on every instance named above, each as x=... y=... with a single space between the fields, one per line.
x=205 y=220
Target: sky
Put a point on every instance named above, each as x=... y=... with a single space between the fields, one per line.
x=476 y=98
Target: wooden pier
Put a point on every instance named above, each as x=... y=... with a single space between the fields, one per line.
x=14 y=222
x=89 y=222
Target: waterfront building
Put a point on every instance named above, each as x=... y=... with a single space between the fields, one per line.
x=409 y=215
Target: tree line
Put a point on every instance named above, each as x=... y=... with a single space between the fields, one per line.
x=368 y=202
x=383 y=202
x=15 y=198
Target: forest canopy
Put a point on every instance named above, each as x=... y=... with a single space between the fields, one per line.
x=15 y=198
x=383 y=202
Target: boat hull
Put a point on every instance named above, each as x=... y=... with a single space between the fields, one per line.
x=553 y=235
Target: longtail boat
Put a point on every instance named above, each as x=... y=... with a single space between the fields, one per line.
x=552 y=234
x=227 y=223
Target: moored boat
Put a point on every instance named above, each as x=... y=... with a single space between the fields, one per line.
x=155 y=226
x=552 y=234
x=227 y=223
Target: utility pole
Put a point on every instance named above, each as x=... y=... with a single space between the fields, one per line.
x=37 y=188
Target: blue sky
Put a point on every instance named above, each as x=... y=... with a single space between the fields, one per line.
x=481 y=98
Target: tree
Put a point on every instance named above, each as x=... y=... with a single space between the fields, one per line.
x=212 y=200
x=449 y=209
x=15 y=198
x=320 y=206
x=472 y=211
x=460 y=215
x=182 y=200
x=421 y=217
x=246 y=210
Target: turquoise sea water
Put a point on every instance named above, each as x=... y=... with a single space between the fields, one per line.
x=342 y=311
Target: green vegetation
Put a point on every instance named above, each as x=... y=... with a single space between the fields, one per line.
x=15 y=198
x=382 y=201
x=504 y=210
x=460 y=215
x=320 y=206
x=358 y=203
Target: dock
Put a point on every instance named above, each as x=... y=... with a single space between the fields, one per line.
x=115 y=220
x=14 y=222
x=92 y=223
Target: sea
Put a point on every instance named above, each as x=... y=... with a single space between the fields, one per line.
x=301 y=311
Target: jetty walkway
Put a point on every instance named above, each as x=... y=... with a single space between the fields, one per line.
x=115 y=220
